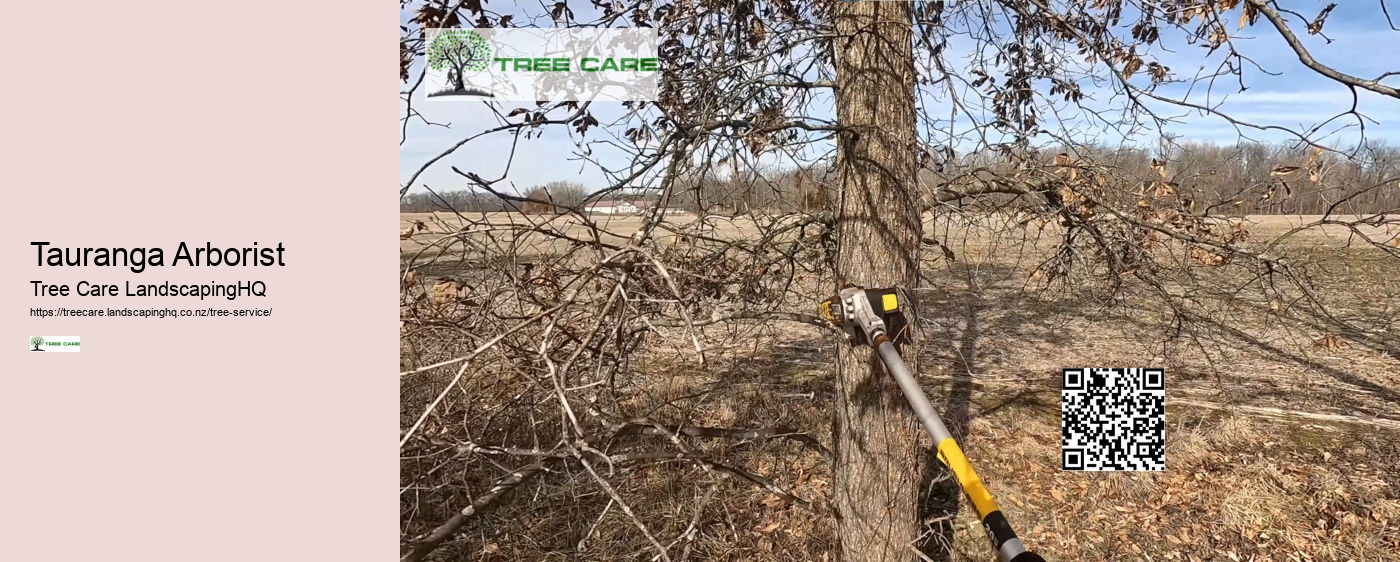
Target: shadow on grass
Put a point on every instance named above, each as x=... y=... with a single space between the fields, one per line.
x=956 y=327
x=1386 y=394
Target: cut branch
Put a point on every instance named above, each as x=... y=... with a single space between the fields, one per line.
x=481 y=505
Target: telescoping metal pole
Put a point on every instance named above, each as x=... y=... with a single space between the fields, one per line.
x=864 y=321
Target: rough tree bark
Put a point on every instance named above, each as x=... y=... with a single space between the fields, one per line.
x=877 y=462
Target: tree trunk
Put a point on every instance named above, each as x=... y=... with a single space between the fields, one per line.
x=458 y=82
x=877 y=469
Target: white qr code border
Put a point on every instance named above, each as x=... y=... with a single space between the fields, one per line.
x=1113 y=419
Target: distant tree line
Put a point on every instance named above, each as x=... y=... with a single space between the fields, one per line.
x=1249 y=178
x=461 y=201
x=552 y=197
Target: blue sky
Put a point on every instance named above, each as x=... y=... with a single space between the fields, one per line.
x=1287 y=95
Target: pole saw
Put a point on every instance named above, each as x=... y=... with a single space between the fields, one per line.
x=863 y=315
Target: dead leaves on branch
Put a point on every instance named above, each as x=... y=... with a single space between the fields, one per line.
x=1248 y=16
x=757 y=33
x=1314 y=166
x=1158 y=230
x=1207 y=257
x=439 y=15
x=1131 y=63
x=639 y=135
x=1314 y=169
x=1273 y=190
x=583 y=122
x=1315 y=26
x=1159 y=167
x=1074 y=175
x=405 y=61
x=416 y=227
x=561 y=12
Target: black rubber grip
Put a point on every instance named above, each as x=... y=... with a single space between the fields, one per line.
x=1027 y=557
x=998 y=530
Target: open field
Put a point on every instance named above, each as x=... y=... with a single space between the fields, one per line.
x=1283 y=436
x=617 y=229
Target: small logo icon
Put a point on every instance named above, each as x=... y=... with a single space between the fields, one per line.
x=67 y=344
x=459 y=52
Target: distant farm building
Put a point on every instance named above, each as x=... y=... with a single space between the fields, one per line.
x=612 y=207
x=620 y=207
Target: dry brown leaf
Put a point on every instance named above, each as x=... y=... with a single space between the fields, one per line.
x=1330 y=342
x=417 y=226
x=1159 y=167
x=1068 y=196
x=1207 y=257
x=1316 y=153
x=448 y=290
x=410 y=277
x=1283 y=170
x=1058 y=495
x=1132 y=66
x=1315 y=26
x=1218 y=35
x=1249 y=15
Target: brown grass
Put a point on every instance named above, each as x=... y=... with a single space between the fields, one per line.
x=1277 y=449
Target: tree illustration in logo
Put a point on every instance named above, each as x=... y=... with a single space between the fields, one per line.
x=459 y=51
x=36 y=341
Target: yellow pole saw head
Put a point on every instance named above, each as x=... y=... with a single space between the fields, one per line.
x=864 y=314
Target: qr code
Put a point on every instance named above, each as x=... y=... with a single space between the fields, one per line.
x=1113 y=419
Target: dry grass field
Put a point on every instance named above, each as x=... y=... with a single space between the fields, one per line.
x=1283 y=435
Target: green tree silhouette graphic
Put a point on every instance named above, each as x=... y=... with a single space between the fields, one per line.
x=459 y=51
